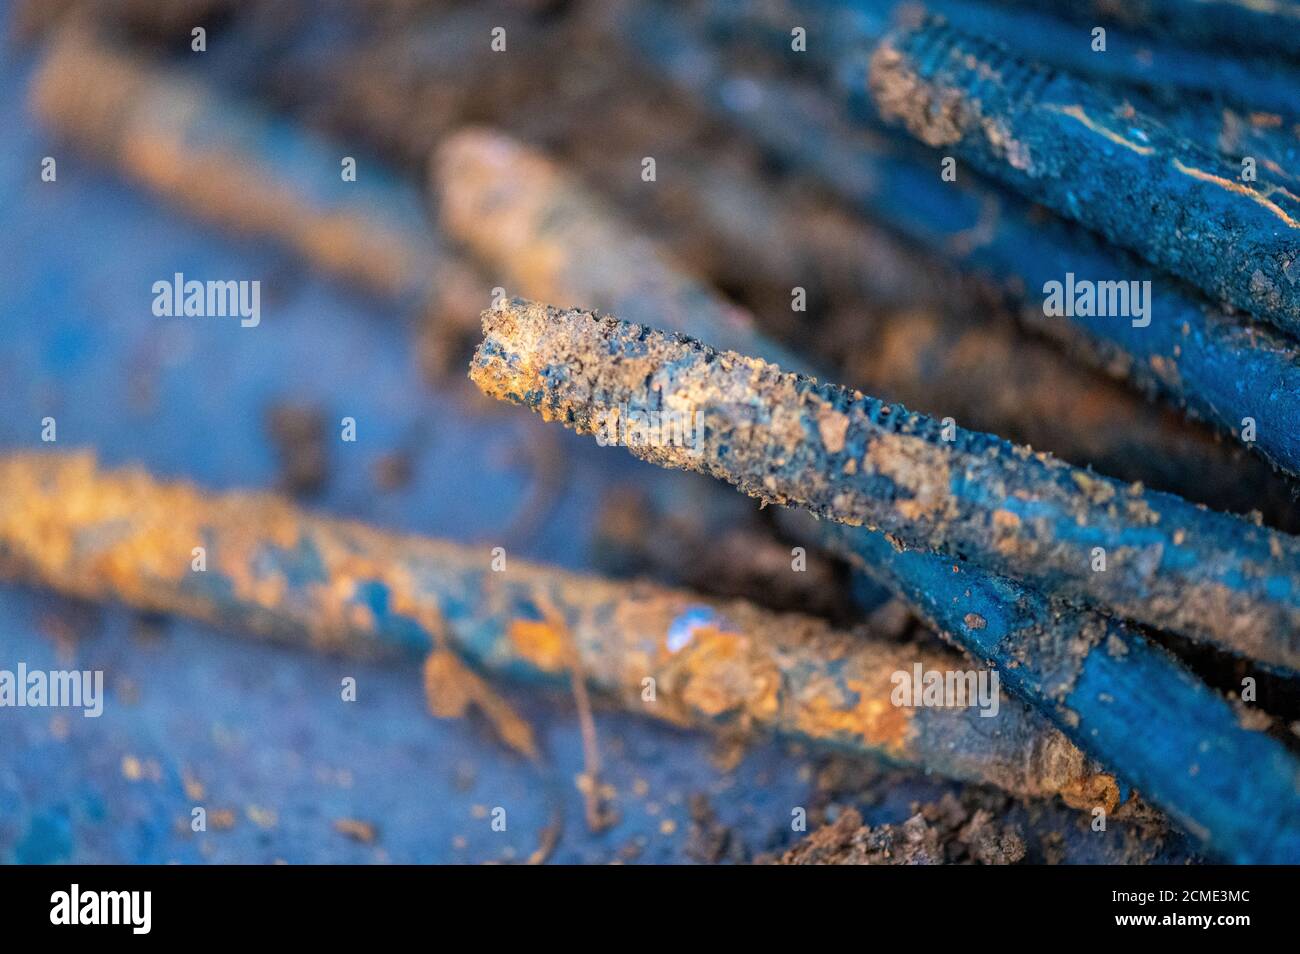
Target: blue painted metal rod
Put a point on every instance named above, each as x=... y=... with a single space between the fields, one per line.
x=1256 y=80
x=838 y=28
x=1089 y=157
x=1120 y=697
x=841 y=34
x=1249 y=27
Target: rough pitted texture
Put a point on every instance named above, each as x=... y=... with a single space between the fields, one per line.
x=1087 y=155
x=1100 y=681
x=787 y=439
x=940 y=833
x=553 y=239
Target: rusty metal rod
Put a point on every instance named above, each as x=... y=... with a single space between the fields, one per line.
x=1145 y=555
x=273 y=570
x=244 y=170
x=524 y=216
x=1210 y=363
x=783 y=438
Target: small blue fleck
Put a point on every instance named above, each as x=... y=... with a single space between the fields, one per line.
x=684 y=626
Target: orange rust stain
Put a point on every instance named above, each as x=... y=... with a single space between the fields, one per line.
x=1098 y=491
x=723 y=675
x=1239 y=189
x=451 y=688
x=122 y=535
x=55 y=501
x=1088 y=791
x=446 y=692
x=855 y=709
x=915 y=466
x=1077 y=113
x=356 y=829
x=1005 y=520
x=832 y=426
x=539 y=643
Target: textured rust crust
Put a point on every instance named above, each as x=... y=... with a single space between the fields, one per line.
x=786 y=439
x=338 y=586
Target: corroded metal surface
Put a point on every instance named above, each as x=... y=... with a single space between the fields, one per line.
x=1091 y=157
x=857 y=460
x=337 y=586
x=1195 y=354
x=789 y=440
x=555 y=240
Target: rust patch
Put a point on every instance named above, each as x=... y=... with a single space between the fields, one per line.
x=1098 y=491
x=723 y=676
x=832 y=426
x=539 y=643
x=451 y=689
x=1089 y=791
x=357 y=830
x=856 y=708
x=914 y=466
x=936 y=116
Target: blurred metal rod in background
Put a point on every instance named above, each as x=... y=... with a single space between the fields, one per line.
x=1157 y=66
x=518 y=211
x=257 y=176
x=1272 y=27
x=841 y=34
x=270 y=569
x=1254 y=78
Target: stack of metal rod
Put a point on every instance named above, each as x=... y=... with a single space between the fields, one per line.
x=1007 y=299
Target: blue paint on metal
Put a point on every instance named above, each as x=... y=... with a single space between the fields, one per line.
x=1125 y=701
